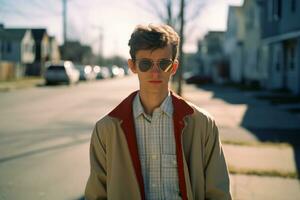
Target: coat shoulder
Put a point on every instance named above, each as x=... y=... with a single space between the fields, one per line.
x=106 y=122
x=200 y=113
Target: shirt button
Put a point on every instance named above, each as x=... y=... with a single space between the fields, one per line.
x=153 y=185
x=154 y=157
x=174 y=162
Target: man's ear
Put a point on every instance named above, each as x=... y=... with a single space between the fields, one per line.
x=131 y=65
x=175 y=67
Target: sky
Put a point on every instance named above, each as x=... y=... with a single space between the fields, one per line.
x=115 y=19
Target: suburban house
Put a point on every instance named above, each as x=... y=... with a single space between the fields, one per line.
x=47 y=50
x=234 y=49
x=54 y=53
x=254 y=71
x=281 y=43
x=212 y=55
x=17 y=50
x=42 y=52
x=242 y=43
x=24 y=51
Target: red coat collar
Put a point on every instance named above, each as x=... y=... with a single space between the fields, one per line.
x=124 y=109
x=124 y=112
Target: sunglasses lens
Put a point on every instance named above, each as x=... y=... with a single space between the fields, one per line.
x=165 y=65
x=144 y=65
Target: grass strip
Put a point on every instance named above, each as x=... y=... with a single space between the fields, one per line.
x=257 y=144
x=20 y=83
x=270 y=173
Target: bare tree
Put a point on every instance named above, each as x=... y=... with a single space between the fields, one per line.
x=179 y=14
x=181 y=58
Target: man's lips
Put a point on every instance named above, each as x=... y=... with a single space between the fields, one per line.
x=155 y=81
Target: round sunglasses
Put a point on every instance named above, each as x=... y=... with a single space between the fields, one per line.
x=146 y=64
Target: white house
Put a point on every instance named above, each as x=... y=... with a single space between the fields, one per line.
x=234 y=43
x=254 y=71
x=281 y=44
x=212 y=56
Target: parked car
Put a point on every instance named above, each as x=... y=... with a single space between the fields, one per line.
x=86 y=72
x=195 y=78
x=63 y=72
x=103 y=73
x=117 y=71
x=127 y=70
x=96 y=70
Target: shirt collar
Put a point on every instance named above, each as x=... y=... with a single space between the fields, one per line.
x=166 y=106
x=137 y=106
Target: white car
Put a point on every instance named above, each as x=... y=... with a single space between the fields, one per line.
x=86 y=72
x=63 y=72
x=103 y=73
x=117 y=71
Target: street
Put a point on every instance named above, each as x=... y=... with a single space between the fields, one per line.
x=237 y=61
x=44 y=137
x=45 y=133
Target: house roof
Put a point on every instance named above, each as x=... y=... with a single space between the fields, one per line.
x=2 y=33
x=38 y=33
x=13 y=33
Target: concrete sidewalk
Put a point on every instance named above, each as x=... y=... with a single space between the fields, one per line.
x=247 y=187
x=259 y=169
x=276 y=160
x=233 y=108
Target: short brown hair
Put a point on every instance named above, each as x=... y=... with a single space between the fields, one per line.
x=151 y=37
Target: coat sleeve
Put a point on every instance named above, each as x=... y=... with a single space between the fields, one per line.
x=217 y=184
x=96 y=184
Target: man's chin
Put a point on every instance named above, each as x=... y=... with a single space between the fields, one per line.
x=157 y=90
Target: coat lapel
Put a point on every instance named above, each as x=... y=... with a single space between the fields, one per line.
x=181 y=109
x=124 y=112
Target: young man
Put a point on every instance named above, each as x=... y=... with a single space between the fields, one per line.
x=155 y=145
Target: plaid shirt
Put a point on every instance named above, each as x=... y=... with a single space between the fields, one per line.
x=157 y=150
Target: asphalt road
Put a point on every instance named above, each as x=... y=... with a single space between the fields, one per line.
x=44 y=136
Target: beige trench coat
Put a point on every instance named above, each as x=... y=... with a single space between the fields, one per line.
x=115 y=166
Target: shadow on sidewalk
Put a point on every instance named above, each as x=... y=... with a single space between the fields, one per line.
x=262 y=114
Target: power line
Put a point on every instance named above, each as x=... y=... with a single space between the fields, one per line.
x=36 y=10
x=45 y=7
x=64 y=2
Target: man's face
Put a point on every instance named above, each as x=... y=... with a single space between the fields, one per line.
x=154 y=80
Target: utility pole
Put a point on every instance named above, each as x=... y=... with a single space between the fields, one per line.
x=101 y=42
x=100 y=39
x=64 y=21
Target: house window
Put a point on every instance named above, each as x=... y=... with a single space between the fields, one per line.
x=32 y=49
x=250 y=19
x=278 y=61
x=270 y=10
x=293 y=5
x=277 y=66
x=26 y=47
x=258 y=58
x=8 y=47
x=292 y=57
x=2 y=47
x=277 y=9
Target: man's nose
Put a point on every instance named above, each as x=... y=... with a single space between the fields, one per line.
x=155 y=68
x=155 y=71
